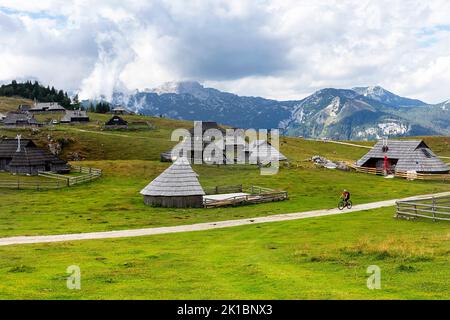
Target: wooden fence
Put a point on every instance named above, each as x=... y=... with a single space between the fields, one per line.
x=257 y=195
x=59 y=180
x=31 y=185
x=403 y=174
x=435 y=208
x=88 y=174
x=223 y=189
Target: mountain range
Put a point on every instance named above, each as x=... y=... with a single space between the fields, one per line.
x=361 y=113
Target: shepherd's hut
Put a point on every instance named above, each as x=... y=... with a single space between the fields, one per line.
x=176 y=187
x=261 y=151
x=22 y=156
x=116 y=122
x=403 y=155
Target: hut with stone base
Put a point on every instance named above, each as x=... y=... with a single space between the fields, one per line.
x=176 y=187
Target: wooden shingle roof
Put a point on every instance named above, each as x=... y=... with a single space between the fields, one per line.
x=29 y=154
x=18 y=118
x=412 y=155
x=116 y=121
x=177 y=180
x=263 y=151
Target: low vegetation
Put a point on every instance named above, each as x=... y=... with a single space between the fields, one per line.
x=318 y=258
x=315 y=258
x=113 y=202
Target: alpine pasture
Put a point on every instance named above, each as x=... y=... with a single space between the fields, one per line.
x=324 y=257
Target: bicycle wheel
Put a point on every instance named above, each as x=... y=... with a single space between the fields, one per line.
x=341 y=205
x=349 y=204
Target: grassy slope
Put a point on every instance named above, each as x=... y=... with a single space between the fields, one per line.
x=114 y=202
x=320 y=258
x=11 y=103
x=316 y=258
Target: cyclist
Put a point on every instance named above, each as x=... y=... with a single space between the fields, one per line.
x=345 y=196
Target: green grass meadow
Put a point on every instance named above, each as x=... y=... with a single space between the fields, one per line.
x=113 y=202
x=316 y=258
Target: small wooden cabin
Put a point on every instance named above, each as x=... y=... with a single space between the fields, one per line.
x=22 y=156
x=74 y=116
x=404 y=156
x=198 y=132
x=46 y=107
x=176 y=187
x=116 y=122
x=20 y=119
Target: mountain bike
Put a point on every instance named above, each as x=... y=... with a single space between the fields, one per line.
x=342 y=204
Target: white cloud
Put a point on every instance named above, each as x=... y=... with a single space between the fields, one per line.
x=274 y=49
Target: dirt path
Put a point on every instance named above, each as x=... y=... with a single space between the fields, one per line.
x=200 y=226
x=344 y=143
x=109 y=134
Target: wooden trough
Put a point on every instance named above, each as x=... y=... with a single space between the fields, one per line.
x=255 y=195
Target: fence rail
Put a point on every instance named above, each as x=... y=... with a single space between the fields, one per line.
x=223 y=189
x=435 y=208
x=403 y=174
x=256 y=195
x=58 y=180
x=32 y=185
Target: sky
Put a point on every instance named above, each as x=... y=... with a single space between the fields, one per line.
x=274 y=49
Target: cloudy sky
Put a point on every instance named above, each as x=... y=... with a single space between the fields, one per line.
x=276 y=49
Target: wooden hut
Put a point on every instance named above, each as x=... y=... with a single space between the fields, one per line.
x=403 y=156
x=198 y=132
x=20 y=119
x=120 y=110
x=22 y=156
x=176 y=187
x=74 y=116
x=261 y=151
x=46 y=107
x=116 y=122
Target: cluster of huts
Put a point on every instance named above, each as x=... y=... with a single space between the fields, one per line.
x=23 y=156
x=200 y=146
x=24 y=116
x=178 y=185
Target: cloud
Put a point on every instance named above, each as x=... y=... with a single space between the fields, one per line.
x=275 y=49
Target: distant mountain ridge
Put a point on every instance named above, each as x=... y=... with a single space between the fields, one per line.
x=358 y=114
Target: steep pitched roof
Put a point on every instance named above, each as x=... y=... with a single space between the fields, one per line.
x=261 y=150
x=177 y=180
x=412 y=155
x=29 y=153
x=74 y=115
x=116 y=121
x=14 y=118
x=9 y=146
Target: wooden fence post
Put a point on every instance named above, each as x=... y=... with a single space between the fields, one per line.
x=434 y=209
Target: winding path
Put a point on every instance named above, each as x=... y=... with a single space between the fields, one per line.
x=201 y=226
